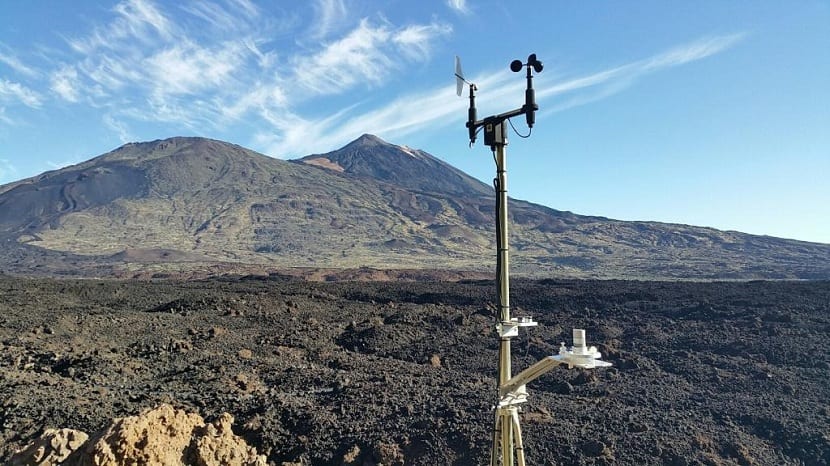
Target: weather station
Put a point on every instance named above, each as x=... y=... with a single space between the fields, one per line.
x=507 y=448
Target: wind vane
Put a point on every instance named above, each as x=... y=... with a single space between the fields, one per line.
x=512 y=391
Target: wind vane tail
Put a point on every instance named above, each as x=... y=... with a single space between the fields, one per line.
x=459 y=76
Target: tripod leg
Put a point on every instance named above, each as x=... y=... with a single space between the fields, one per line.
x=517 y=433
x=507 y=437
x=494 y=453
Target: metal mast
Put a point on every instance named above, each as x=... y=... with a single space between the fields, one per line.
x=508 y=448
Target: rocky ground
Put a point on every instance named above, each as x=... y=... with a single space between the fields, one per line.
x=403 y=372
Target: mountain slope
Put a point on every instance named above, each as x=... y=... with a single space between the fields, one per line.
x=192 y=202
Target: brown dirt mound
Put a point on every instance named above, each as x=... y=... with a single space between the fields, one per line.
x=162 y=436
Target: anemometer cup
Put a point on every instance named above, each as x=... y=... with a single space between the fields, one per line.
x=532 y=62
x=536 y=64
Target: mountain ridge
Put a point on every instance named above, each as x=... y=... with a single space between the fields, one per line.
x=187 y=202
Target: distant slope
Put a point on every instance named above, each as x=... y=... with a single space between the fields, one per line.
x=186 y=203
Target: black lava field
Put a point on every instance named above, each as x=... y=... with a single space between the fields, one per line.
x=404 y=372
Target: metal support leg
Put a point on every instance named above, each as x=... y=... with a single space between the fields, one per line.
x=494 y=453
x=517 y=434
x=506 y=437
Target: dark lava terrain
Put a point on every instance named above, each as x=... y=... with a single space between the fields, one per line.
x=404 y=373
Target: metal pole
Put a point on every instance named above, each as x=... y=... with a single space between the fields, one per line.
x=507 y=421
x=504 y=260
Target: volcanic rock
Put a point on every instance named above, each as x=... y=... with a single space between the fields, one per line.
x=52 y=448
x=162 y=436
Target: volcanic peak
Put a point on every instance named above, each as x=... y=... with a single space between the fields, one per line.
x=162 y=148
x=371 y=157
x=367 y=140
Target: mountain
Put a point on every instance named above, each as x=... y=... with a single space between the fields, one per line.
x=184 y=204
x=370 y=157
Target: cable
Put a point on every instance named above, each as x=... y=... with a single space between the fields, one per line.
x=498 y=262
x=529 y=130
x=478 y=130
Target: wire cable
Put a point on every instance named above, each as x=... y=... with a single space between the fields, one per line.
x=523 y=136
x=478 y=130
x=499 y=265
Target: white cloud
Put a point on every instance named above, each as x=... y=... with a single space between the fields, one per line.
x=690 y=52
x=139 y=14
x=65 y=83
x=217 y=63
x=414 y=41
x=262 y=98
x=216 y=15
x=12 y=91
x=367 y=54
x=293 y=135
x=265 y=60
x=188 y=68
x=14 y=63
x=114 y=72
x=458 y=5
x=188 y=72
x=232 y=17
x=138 y=21
x=414 y=112
x=358 y=57
x=246 y=6
x=616 y=79
x=119 y=127
x=330 y=15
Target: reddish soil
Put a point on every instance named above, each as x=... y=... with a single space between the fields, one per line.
x=403 y=372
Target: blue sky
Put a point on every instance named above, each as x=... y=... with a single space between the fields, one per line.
x=707 y=113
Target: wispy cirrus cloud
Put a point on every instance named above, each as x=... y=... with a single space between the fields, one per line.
x=295 y=136
x=367 y=54
x=696 y=50
x=415 y=112
x=415 y=42
x=208 y=64
x=144 y=60
x=8 y=58
x=609 y=82
x=218 y=63
x=137 y=20
x=188 y=68
x=217 y=66
x=65 y=83
x=458 y=5
x=228 y=17
x=119 y=127
x=17 y=93
x=330 y=15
